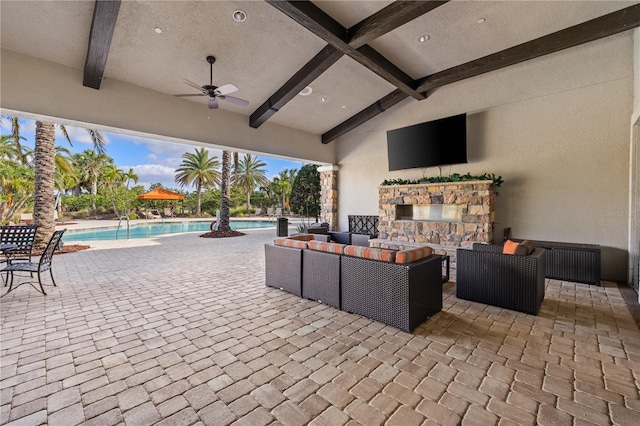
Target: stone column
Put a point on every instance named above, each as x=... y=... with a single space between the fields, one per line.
x=329 y=195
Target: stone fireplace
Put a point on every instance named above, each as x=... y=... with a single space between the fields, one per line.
x=445 y=216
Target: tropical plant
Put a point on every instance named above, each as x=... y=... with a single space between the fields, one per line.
x=121 y=197
x=16 y=187
x=90 y=165
x=15 y=138
x=199 y=170
x=249 y=174
x=131 y=176
x=305 y=198
x=281 y=185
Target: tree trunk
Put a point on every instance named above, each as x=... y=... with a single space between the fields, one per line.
x=94 y=191
x=225 y=184
x=198 y=197
x=43 y=201
x=249 y=202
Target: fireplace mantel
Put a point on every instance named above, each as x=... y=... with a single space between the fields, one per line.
x=469 y=213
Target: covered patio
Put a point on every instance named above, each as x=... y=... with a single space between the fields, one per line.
x=180 y=330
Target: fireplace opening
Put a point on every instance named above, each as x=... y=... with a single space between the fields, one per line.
x=430 y=212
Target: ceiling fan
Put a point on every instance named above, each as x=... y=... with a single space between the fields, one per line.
x=213 y=92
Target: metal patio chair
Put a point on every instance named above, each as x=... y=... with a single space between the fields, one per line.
x=21 y=238
x=39 y=267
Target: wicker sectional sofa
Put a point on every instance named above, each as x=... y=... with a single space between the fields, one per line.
x=360 y=280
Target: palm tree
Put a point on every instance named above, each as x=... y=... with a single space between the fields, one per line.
x=225 y=186
x=282 y=184
x=130 y=176
x=199 y=170
x=249 y=174
x=43 y=201
x=90 y=165
x=16 y=180
x=15 y=138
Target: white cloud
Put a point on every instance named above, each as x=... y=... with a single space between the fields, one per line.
x=170 y=153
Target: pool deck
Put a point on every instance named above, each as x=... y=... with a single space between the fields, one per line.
x=181 y=330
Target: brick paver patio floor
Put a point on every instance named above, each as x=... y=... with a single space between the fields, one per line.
x=181 y=330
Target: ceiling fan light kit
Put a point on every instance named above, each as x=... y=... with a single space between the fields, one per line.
x=214 y=92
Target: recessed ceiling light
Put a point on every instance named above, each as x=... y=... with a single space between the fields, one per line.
x=306 y=91
x=324 y=99
x=343 y=106
x=423 y=38
x=481 y=21
x=239 y=16
x=158 y=30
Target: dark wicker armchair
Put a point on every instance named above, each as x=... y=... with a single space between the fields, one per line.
x=513 y=282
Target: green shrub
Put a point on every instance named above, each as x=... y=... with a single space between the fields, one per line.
x=238 y=211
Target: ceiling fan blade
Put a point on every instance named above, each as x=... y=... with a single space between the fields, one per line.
x=226 y=89
x=234 y=100
x=190 y=94
x=213 y=103
x=192 y=84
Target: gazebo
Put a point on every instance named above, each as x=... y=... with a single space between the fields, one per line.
x=161 y=194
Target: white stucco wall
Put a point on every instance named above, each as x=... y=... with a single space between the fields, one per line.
x=555 y=128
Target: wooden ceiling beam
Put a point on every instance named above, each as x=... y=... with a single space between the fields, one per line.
x=309 y=72
x=105 y=15
x=388 y=19
x=604 y=26
x=365 y=115
x=353 y=40
x=315 y=20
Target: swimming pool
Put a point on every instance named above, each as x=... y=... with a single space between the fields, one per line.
x=145 y=230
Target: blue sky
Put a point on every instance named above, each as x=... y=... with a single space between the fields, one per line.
x=152 y=160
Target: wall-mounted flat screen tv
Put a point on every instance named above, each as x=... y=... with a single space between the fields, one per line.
x=434 y=143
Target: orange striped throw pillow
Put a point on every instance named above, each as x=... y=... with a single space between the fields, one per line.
x=370 y=253
x=289 y=242
x=326 y=247
x=411 y=255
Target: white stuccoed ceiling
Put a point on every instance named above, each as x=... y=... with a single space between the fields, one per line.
x=261 y=54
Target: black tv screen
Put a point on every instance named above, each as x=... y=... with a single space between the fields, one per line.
x=434 y=143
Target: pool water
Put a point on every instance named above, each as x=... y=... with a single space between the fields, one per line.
x=155 y=229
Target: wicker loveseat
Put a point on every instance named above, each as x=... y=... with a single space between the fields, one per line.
x=486 y=275
x=403 y=295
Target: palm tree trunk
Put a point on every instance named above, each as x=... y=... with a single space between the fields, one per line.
x=44 y=154
x=248 y=202
x=225 y=184
x=94 y=191
x=198 y=197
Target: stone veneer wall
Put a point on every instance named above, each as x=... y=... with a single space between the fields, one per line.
x=478 y=213
x=329 y=195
